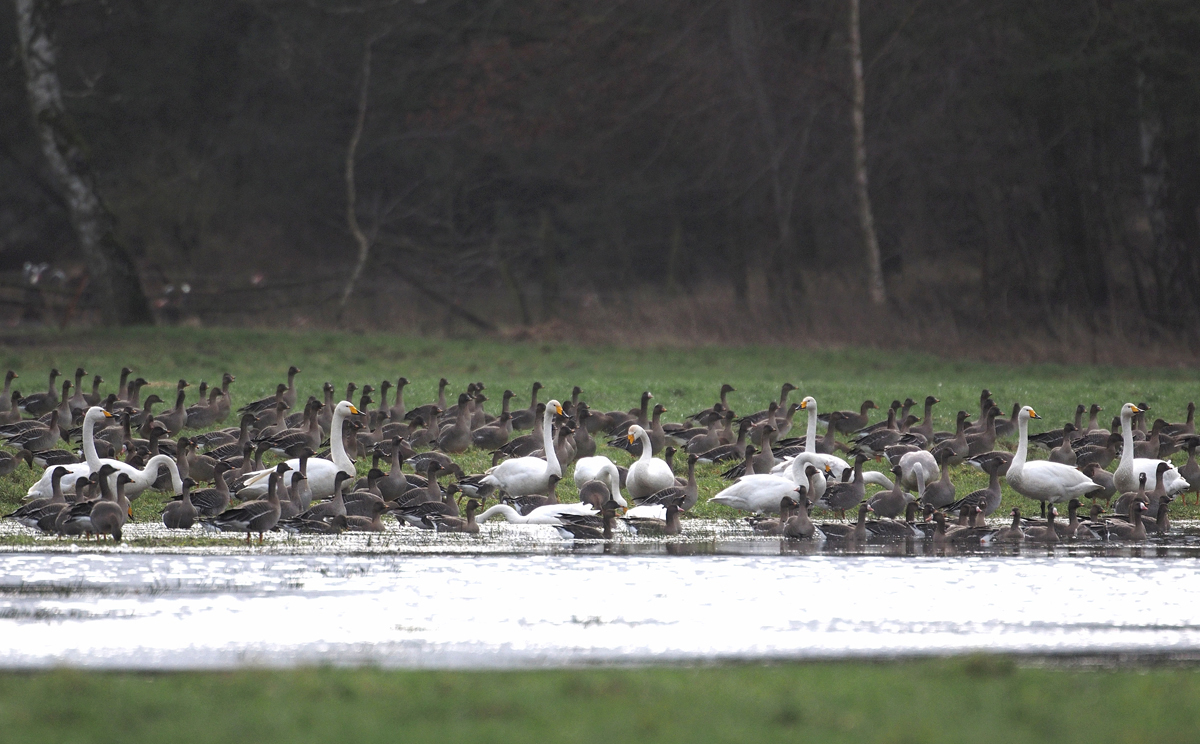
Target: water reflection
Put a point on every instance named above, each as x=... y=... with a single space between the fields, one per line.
x=700 y=537
x=617 y=601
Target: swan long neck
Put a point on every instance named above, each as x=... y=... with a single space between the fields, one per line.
x=647 y=455
x=1127 y=436
x=552 y=464
x=337 y=447
x=89 y=443
x=810 y=440
x=510 y=514
x=1018 y=460
x=149 y=473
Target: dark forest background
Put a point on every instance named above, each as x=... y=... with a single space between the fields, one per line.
x=673 y=169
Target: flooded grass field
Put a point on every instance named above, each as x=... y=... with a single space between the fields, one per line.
x=518 y=596
x=716 y=634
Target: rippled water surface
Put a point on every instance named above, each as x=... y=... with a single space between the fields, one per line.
x=536 y=600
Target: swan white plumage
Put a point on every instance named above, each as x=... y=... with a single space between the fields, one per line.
x=90 y=464
x=322 y=473
x=524 y=476
x=591 y=468
x=139 y=480
x=795 y=467
x=910 y=462
x=876 y=478
x=1042 y=480
x=600 y=468
x=1129 y=468
x=547 y=514
x=647 y=511
x=757 y=493
x=648 y=473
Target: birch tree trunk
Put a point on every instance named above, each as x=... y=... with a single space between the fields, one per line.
x=360 y=238
x=866 y=219
x=111 y=270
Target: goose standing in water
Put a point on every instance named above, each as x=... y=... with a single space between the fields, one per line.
x=1047 y=482
x=321 y=472
x=253 y=516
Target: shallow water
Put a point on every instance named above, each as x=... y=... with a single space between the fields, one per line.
x=522 y=597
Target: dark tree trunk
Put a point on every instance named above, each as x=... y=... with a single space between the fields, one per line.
x=113 y=274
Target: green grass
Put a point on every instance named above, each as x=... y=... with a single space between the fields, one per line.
x=975 y=699
x=685 y=380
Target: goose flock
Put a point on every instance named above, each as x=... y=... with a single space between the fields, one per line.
x=310 y=483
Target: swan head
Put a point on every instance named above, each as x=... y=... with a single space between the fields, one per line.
x=96 y=413
x=555 y=406
x=807 y=403
x=346 y=408
x=635 y=431
x=1027 y=413
x=1129 y=409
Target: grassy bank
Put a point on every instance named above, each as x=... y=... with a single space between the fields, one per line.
x=976 y=699
x=685 y=380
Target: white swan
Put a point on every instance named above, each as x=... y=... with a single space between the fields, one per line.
x=1042 y=480
x=876 y=478
x=910 y=462
x=648 y=473
x=90 y=464
x=592 y=468
x=1129 y=468
x=647 y=511
x=602 y=469
x=757 y=493
x=139 y=480
x=321 y=472
x=810 y=455
x=542 y=515
x=524 y=476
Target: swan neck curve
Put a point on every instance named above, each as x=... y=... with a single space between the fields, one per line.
x=510 y=514
x=646 y=455
x=149 y=474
